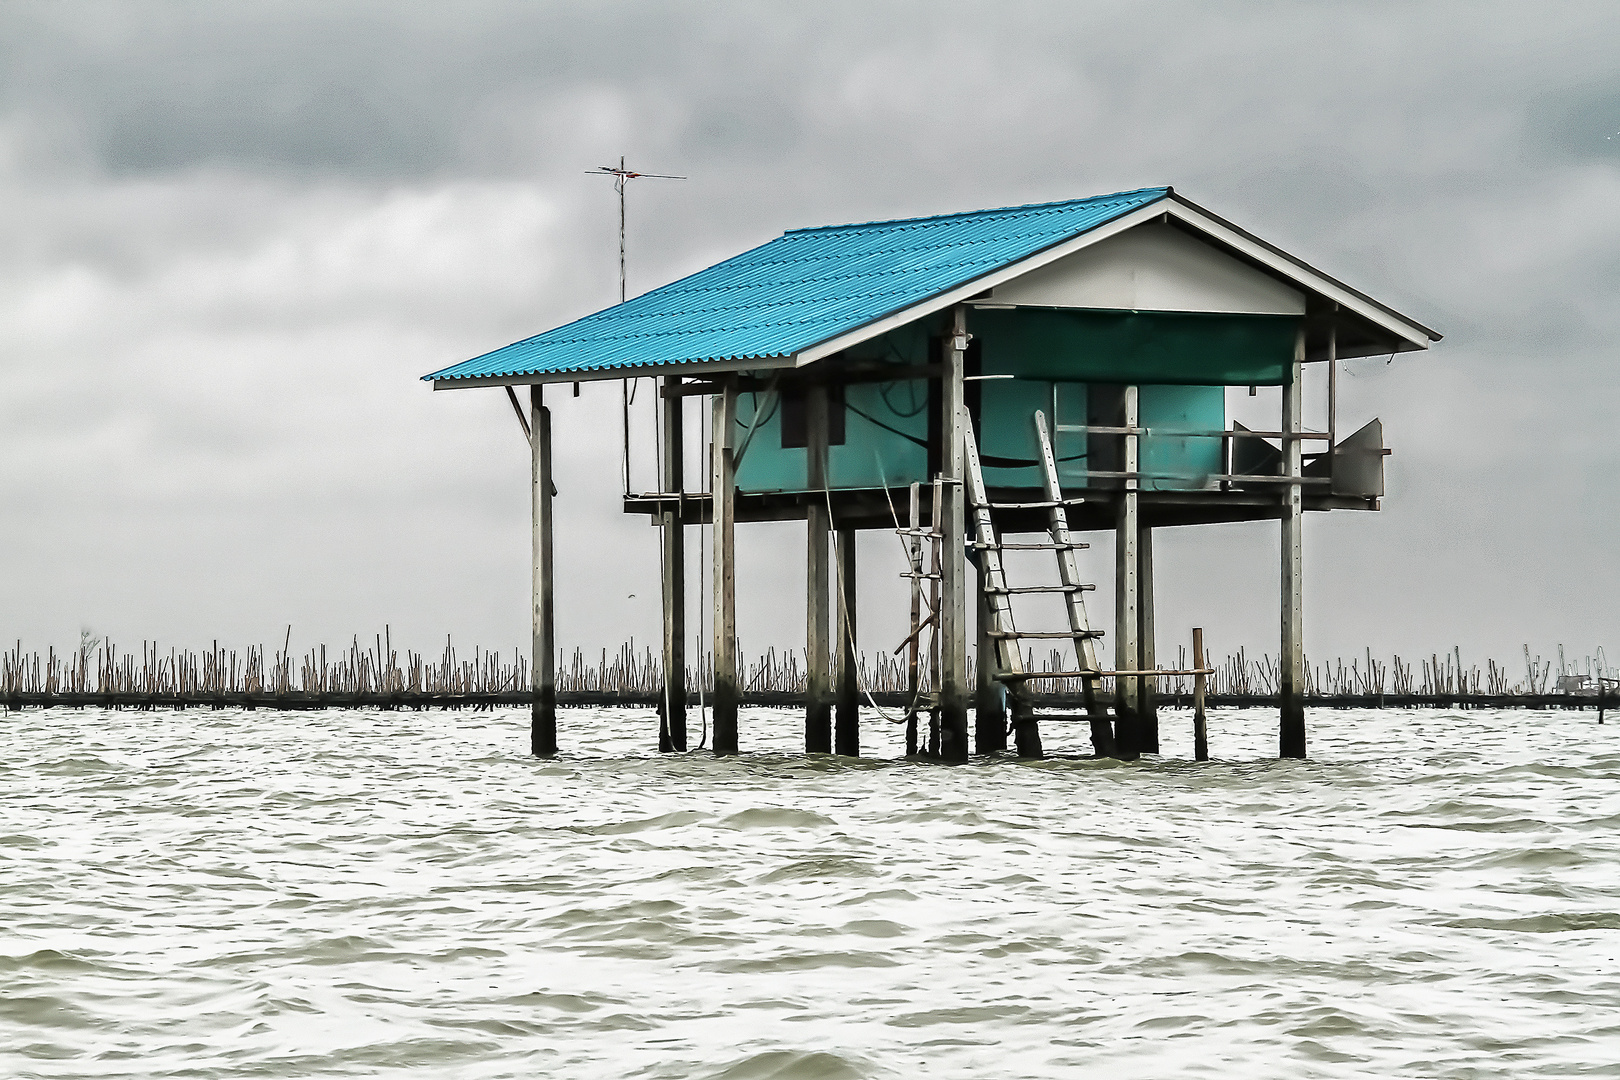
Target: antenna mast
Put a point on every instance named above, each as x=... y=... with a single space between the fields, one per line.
x=621 y=177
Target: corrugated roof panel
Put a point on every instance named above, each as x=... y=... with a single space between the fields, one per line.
x=803 y=288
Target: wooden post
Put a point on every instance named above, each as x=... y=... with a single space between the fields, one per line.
x=723 y=482
x=818 y=734
x=672 y=732
x=1147 y=689
x=1127 y=601
x=543 y=640
x=1291 y=691
x=847 y=734
x=953 y=690
x=1200 y=726
x=989 y=713
x=913 y=649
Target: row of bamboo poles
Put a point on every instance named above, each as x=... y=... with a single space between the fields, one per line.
x=377 y=668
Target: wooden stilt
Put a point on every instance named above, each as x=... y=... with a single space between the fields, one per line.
x=847 y=734
x=1127 y=601
x=672 y=731
x=953 y=689
x=543 y=643
x=818 y=734
x=723 y=482
x=989 y=713
x=1291 y=689
x=914 y=648
x=1200 y=726
x=1147 y=689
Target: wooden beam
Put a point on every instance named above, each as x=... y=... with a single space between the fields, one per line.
x=847 y=733
x=818 y=730
x=953 y=690
x=672 y=731
x=844 y=373
x=1291 y=689
x=723 y=483
x=543 y=630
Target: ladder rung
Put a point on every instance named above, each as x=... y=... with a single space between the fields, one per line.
x=1042 y=589
x=1043 y=504
x=1053 y=634
x=1032 y=547
x=930 y=576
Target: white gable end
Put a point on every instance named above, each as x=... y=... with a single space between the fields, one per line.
x=1152 y=267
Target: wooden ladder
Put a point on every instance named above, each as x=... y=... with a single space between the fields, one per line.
x=1008 y=657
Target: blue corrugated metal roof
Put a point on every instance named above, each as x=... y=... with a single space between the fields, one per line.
x=803 y=288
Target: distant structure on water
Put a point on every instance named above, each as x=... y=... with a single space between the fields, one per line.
x=1053 y=369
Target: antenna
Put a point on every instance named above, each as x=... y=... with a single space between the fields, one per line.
x=622 y=176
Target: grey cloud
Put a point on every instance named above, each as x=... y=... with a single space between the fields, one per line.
x=232 y=236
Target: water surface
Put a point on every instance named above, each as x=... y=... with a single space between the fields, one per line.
x=231 y=894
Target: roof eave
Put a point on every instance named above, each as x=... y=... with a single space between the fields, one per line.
x=685 y=367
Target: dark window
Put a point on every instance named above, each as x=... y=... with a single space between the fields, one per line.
x=795 y=416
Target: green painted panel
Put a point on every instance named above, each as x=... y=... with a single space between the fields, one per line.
x=1137 y=347
x=1008 y=448
x=1173 y=463
x=885 y=440
x=765 y=465
x=885 y=436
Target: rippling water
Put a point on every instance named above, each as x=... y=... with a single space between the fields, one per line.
x=229 y=894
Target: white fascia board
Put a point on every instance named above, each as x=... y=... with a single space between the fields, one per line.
x=1419 y=335
x=691 y=367
x=980 y=284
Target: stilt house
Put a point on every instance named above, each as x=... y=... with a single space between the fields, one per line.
x=1053 y=369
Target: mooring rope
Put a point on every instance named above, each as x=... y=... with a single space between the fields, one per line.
x=843 y=606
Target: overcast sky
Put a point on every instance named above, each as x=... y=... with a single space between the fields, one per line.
x=233 y=236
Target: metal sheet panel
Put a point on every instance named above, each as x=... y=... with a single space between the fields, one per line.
x=805 y=287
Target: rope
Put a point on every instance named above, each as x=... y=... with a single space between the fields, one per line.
x=843 y=606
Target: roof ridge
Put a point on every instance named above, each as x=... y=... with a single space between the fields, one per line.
x=1166 y=189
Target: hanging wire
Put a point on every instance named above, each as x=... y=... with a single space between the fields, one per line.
x=843 y=605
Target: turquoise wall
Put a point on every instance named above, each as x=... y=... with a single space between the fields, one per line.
x=886 y=423
x=1180 y=463
x=885 y=441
